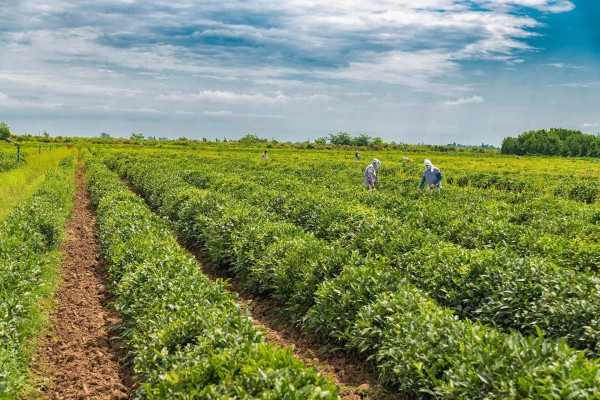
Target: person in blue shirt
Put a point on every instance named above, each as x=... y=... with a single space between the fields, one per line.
x=370 y=175
x=432 y=176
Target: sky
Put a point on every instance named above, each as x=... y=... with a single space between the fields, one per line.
x=427 y=71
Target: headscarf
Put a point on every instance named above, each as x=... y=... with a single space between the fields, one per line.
x=428 y=164
x=376 y=163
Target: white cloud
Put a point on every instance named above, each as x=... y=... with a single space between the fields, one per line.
x=12 y=102
x=228 y=113
x=220 y=96
x=76 y=83
x=465 y=100
x=414 y=69
x=219 y=113
x=554 y=6
x=342 y=38
x=583 y=85
x=590 y=125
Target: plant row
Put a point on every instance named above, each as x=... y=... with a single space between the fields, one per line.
x=525 y=218
x=579 y=189
x=358 y=302
x=489 y=285
x=29 y=270
x=185 y=335
x=565 y=234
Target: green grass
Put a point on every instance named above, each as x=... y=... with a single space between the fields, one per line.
x=19 y=183
x=29 y=264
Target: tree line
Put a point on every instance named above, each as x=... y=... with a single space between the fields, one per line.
x=553 y=142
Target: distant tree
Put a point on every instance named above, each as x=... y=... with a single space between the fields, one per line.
x=362 y=140
x=46 y=134
x=377 y=141
x=510 y=145
x=5 y=135
x=555 y=141
x=341 y=138
x=104 y=135
x=251 y=138
x=5 y=132
x=579 y=145
x=321 y=141
x=137 y=136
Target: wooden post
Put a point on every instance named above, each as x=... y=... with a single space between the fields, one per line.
x=18 y=149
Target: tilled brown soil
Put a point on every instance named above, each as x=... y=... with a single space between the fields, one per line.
x=77 y=359
x=352 y=374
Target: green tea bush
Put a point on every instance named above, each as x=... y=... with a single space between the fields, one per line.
x=251 y=244
x=338 y=300
x=407 y=253
x=423 y=350
x=293 y=268
x=185 y=335
x=478 y=226
x=29 y=270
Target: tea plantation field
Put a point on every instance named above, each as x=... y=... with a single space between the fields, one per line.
x=489 y=288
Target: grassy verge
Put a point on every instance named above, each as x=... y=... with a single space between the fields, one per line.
x=29 y=263
x=19 y=183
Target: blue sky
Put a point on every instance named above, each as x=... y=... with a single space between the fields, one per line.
x=432 y=71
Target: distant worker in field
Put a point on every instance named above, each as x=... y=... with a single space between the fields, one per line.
x=432 y=176
x=370 y=174
x=265 y=155
x=407 y=160
x=357 y=155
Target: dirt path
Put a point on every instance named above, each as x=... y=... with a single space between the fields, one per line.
x=78 y=356
x=352 y=375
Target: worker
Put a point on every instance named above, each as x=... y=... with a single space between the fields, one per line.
x=431 y=176
x=371 y=175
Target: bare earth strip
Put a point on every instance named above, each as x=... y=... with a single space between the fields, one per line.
x=355 y=379
x=78 y=355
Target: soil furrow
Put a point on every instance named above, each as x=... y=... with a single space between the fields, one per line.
x=78 y=359
x=352 y=374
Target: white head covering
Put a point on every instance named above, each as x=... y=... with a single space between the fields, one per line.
x=428 y=164
x=376 y=163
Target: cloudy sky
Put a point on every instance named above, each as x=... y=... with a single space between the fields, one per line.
x=433 y=71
